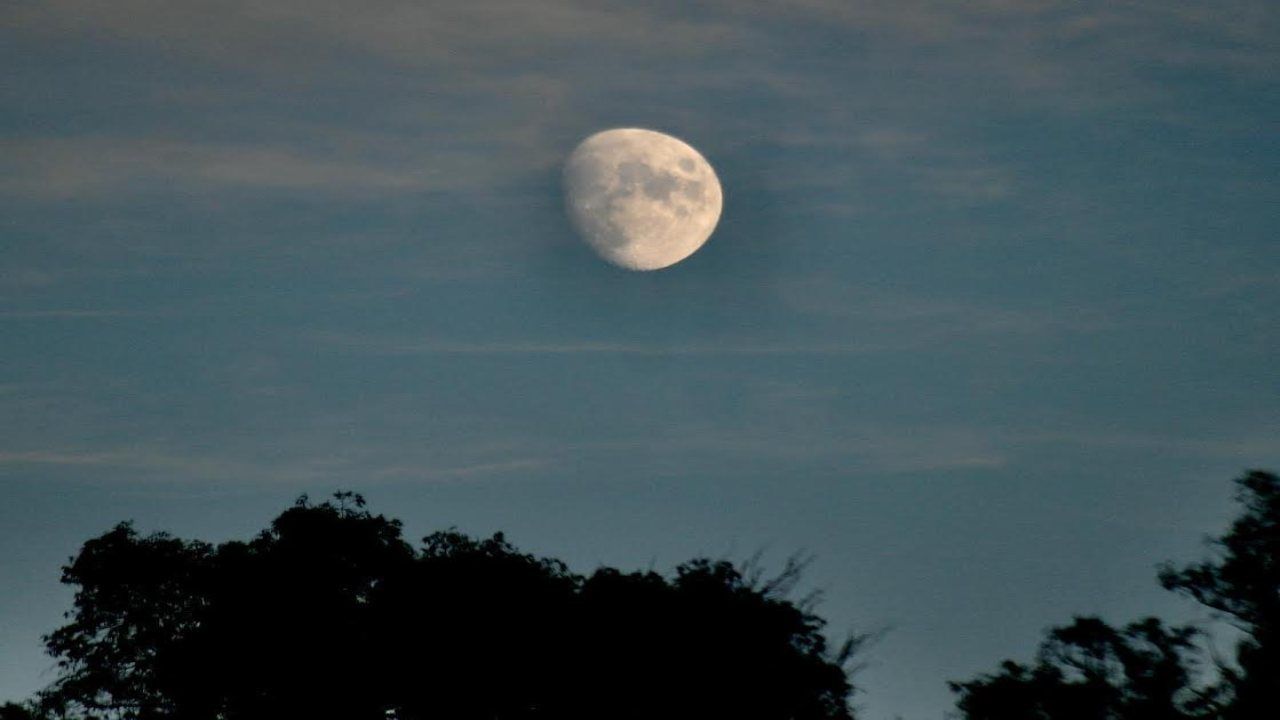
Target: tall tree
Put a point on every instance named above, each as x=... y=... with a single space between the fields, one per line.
x=1148 y=671
x=329 y=613
x=14 y=711
x=1242 y=583
x=1089 y=670
x=136 y=598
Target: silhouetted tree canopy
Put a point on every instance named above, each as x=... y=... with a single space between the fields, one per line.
x=1242 y=583
x=1089 y=670
x=14 y=711
x=1148 y=671
x=329 y=613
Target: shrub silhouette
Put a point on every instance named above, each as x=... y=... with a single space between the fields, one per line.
x=329 y=613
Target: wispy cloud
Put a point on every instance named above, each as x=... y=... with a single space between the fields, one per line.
x=1081 y=52
x=292 y=33
x=90 y=166
x=942 y=167
x=460 y=472
x=374 y=345
x=60 y=458
x=1251 y=445
x=918 y=319
x=151 y=466
x=12 y=278
x=69 y=314
x=947 y=169
x=437 y=63
x=443 y=31
x=787 y=439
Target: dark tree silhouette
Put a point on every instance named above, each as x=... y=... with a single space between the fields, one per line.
x=1091 y=671
x=1242 y=583
x=14 y=711
x=1147 y=671
x=329 y=613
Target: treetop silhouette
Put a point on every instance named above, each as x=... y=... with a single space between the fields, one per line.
x=1090 y=670
x=329 y=613
x=1242 y=584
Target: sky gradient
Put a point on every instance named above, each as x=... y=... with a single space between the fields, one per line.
x=988 y=323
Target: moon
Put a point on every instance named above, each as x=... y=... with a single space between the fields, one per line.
x=643 y=200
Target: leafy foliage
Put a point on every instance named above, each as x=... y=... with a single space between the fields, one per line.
x=14 y=711
x=329 y=613
x=1089 y=670
x=1147 y=671
x=1242 y=583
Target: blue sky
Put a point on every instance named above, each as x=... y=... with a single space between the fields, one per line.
x=987 y=325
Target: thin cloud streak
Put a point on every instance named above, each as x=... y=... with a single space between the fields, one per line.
x=150 y=466
x=71 y=314
x=461 y=472
x=384 y=346
x=469 y=35
x=998 y=44
x=109 y=166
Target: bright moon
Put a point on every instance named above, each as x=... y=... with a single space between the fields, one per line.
x=641 y=199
